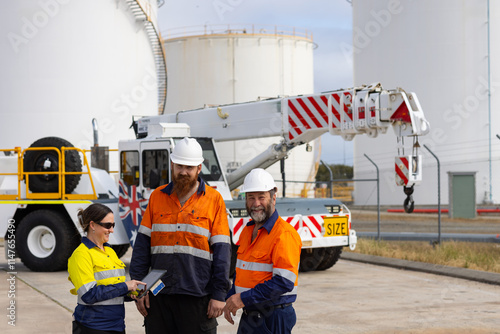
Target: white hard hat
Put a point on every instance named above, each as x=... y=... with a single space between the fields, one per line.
x=258 y=180
x=187 y=152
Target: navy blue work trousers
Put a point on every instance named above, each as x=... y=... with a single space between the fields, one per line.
x=275 y=321
x=179 y=314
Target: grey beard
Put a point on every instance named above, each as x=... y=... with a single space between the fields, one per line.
x=263 y=216
x=259 y=217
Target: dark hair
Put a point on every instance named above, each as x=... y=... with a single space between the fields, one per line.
x=94 y=212
x=272 y=192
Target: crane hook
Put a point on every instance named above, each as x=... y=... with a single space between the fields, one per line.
x=409 y=204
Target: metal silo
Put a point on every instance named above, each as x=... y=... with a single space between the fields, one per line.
x=212 y=65
x=67 y=62
x=448 y=53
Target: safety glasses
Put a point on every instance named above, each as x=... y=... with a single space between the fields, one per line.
x=107 y=225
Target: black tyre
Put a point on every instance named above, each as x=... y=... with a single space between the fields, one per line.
x=40 y=161
x=120 y=250
x=45 y=240
x=310 y=259
x=332 y=255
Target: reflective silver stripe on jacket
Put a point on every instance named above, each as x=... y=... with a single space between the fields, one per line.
x=100 y=275
x=145 y=230
x=220 y=239
x=266 y=267
x=177 y=249
x=289 y=275
x=240 y=289
x=113 y=301
x=85 y=288
x=254 y=266
x=181 y=228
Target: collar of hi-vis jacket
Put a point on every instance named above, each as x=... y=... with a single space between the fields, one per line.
x=86 y=241
x=269 y=224
x=170 y=187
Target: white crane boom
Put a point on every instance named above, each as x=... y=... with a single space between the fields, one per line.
x=299 y=119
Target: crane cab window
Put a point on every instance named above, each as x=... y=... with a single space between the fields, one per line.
x=155 y=168
x=129 y=171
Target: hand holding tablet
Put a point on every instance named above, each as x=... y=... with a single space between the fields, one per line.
x=153 y=282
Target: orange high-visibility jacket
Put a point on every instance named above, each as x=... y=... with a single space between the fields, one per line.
x=191 y=242
x=267 y=268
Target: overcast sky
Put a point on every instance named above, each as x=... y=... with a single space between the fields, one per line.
x=329 y=20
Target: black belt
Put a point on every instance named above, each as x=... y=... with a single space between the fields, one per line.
x=269 y=308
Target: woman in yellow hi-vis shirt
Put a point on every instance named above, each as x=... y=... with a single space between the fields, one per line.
x=98 y=276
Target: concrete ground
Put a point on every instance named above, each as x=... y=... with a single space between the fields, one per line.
x=351 y=297
x=354 y=296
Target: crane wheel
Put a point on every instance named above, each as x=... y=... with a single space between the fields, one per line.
x=45 y=240
x=311 y=258
x=332 y=255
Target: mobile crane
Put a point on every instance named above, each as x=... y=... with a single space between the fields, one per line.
x=323 y=224
x=38 y=204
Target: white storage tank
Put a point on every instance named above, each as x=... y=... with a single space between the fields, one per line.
x=442 y=51
x=212 y=65
x=67 y=62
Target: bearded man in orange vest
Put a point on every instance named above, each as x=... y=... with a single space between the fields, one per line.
x=265 y=283
x=185 y=231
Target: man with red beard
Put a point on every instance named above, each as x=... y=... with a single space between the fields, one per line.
x=267 y=267
x=185 y=231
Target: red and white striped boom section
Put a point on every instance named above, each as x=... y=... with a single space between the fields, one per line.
x=300 y=119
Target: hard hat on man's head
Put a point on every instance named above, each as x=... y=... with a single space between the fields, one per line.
x=258 y=180
x=187 y=152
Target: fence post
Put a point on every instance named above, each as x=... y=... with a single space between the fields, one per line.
x=378 y=197
x=439 y=193
x=282 y=169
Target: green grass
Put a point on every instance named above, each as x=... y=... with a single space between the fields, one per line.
x=477 y=256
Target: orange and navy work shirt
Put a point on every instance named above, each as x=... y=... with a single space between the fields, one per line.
x=191 y=242
x=267 y=268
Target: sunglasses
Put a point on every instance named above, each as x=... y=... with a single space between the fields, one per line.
x=106 y=225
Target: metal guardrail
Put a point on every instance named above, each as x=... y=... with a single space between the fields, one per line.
x=238 y=29
x=17 y=151
x=430 y=237
x=342 y=193
x=61 y=175
x=109 y=150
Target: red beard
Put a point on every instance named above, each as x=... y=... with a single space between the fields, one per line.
x=183 y=184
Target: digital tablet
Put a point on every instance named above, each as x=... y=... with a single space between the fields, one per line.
x=151 y=281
